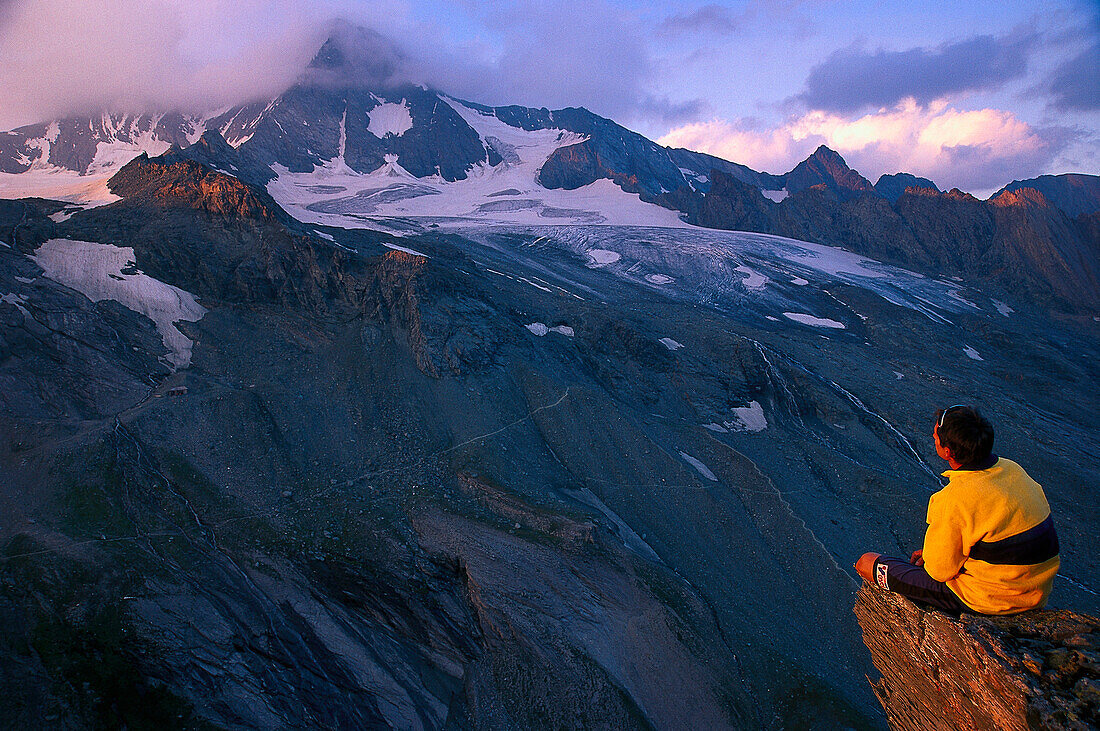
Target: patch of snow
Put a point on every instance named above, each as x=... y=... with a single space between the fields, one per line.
x=525 y=280
x=111 y=156
x=899 y=375
x=972 y=354
x=748 y=418
x=956 y=294
x=4 y=245
x=1003 y=308
x=716 y=428
x=659 y=279
x=563 y=330
x=602 y=257
x=800 y=282
x=24 y=280
x=538 y=328
x=702 y=468
x=630 y=539
x=324 y=235
x=390 y=119
x=770 y=317
x=670 y=344
x=814 y=321
x=753 y=280
x=58 y=184
x=95 y=270
x=62 y=216
x=18 y=300
x=414 y=252
x=775 y=196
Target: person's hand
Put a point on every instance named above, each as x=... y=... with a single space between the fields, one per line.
x=917 y=559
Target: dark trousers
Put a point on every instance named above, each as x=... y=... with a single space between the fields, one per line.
x=913 y=582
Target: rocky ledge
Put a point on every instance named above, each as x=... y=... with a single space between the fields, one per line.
x=1039 y=669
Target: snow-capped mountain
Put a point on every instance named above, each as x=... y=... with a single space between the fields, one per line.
x=331 y=124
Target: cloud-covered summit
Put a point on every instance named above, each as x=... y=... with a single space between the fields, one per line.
x=71 y=57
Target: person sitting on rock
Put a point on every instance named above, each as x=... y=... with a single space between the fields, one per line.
x=990 y=546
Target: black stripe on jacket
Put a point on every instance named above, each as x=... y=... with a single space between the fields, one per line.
x=1034 y=545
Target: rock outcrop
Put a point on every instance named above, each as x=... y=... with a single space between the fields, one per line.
x=1039 y=669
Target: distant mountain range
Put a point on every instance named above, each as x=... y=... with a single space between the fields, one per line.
x=417 y=145
x=1038 y=238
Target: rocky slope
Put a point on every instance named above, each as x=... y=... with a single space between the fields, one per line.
x=226 y=556
x=1039 y=669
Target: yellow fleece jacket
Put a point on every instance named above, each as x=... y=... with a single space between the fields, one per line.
x=987 y=505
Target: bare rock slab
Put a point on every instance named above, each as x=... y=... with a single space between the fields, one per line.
x=1039 y=669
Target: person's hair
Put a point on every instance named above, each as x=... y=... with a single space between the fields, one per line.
x=967 y=433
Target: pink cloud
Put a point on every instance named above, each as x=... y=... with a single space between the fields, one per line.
x=970 y=149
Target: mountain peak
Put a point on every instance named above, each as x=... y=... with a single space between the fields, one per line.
x=356 y=56
x=828 y=154
x=826 y=167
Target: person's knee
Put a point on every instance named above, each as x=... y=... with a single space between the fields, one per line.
x=865 y=566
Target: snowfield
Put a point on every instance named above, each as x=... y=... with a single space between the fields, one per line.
x=96 y=271
x=58 y=184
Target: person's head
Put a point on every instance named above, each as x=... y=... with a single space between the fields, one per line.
x=963 y=435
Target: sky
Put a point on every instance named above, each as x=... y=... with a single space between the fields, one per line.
x=971 y=95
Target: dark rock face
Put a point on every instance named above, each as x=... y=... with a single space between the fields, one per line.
x=633 y=162
x=891 y=187
x=737 y=205
x=1039 y=669
x=826 y=167
x=1074 y=193
x=954 y=231
x=1035 y=236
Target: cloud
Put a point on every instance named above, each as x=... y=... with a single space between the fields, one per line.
x=712 y=18
x=1075 y=85
x=65 y=57
x=976 y=150
x=551 y=53
x=81 y=57
x=853 y=79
